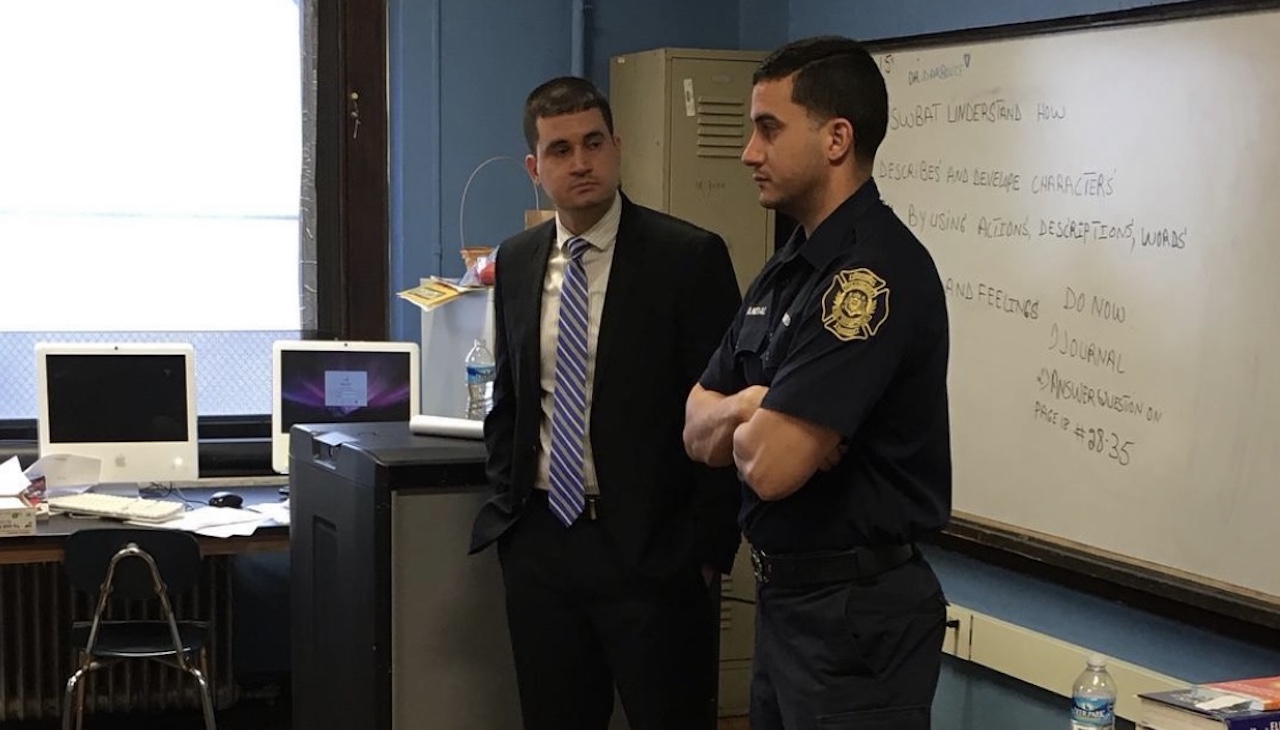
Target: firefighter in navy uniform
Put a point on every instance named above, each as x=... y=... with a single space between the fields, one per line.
x=829 y=394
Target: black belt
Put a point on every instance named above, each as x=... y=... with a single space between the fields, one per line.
x=590 y=507
x=859 y=563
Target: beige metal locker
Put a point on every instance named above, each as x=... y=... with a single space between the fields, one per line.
x=683 y=116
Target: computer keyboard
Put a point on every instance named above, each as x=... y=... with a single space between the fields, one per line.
x=117 y=507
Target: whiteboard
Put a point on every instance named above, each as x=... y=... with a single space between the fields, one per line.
x=1104 y=209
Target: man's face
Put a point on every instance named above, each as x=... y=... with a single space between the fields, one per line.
x=785 y=152
x=576 y=161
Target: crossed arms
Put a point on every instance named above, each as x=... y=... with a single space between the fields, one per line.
x=775 y=453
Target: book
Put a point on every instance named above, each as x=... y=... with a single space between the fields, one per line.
x=1264 y=692
x=1202 y=708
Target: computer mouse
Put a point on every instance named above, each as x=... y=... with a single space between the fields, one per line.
x=226 y=499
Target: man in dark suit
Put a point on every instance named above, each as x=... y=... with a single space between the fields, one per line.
x=608 y=533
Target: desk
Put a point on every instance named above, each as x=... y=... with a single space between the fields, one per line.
x=46 y=546
x=37 y=608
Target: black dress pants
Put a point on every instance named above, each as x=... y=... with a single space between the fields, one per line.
x=859 y=655
x=582 y=620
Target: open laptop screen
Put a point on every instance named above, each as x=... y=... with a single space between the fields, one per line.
x=328 y=386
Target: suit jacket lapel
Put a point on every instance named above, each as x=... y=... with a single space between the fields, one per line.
x=623 y=276
x=531 y=303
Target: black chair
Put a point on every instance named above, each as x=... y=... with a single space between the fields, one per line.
x=135 y=565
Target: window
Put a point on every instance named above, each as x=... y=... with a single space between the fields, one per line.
x=149 y=185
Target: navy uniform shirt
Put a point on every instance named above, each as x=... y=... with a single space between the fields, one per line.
x=848 y=329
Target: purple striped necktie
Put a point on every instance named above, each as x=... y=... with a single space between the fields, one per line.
x=569 y=404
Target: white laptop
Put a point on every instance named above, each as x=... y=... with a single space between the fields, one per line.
x=317 y=382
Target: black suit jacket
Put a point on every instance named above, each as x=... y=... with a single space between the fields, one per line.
x=671 y=296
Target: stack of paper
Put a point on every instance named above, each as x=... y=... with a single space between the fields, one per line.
x=215 y=522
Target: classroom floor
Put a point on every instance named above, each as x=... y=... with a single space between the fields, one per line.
x=246 y=716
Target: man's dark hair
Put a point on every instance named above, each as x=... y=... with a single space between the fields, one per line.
x=834 y=77
x=563 y=95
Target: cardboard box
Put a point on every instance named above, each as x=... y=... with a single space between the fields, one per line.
x=17 y=516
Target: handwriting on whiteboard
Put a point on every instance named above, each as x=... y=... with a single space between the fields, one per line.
x=1061 y=388
x=1095 y=439
x=940 y=72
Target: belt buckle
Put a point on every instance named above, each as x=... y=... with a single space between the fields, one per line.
x=759 y=567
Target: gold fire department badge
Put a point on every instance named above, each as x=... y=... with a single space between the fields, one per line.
x=855 y=305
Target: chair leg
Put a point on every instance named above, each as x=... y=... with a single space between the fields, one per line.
x=206 y=691
x=80 y=705
x=70 y=713
x=203 y=658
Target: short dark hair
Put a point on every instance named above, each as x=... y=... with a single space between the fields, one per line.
x=562 y=95
x=834 y=77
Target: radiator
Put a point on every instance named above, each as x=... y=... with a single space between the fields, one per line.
x=37 y=607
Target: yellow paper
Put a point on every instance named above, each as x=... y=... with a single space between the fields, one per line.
x=434 y=293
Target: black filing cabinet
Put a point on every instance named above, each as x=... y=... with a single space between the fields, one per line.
x=394 y=625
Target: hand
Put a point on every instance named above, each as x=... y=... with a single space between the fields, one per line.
x=834 y=457
x=749 y=400
x=709 y=574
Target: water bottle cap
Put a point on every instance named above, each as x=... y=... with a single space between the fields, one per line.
x=1097 y=660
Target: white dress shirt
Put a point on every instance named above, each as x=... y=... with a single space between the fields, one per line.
x=597 y=261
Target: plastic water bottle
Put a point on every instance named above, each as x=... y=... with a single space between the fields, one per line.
x=479 y=381
x=1093 y=698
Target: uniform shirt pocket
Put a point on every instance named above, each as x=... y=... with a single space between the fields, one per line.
x=752 y=349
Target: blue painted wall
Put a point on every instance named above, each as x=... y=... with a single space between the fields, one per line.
x=762 y=24
x=616 y=27
x=459 y=72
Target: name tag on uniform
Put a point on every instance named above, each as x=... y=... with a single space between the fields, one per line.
x=756 y=311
